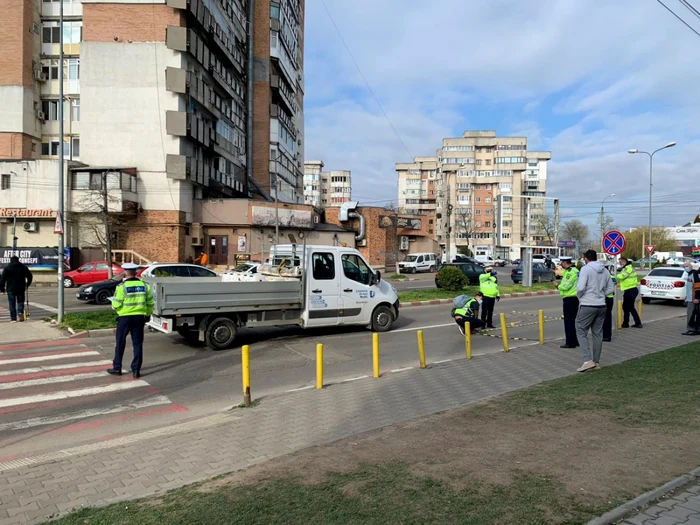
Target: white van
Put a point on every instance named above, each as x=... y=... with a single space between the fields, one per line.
x=418 y=262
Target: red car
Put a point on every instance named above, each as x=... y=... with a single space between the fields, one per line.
x=91 y=272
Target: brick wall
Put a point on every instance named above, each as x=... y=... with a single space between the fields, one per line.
x=18 y=146
x=157 y=235
x=261 y=135
x=16 y=42
x=135 y=22
x=380 y=233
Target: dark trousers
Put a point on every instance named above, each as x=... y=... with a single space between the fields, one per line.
x=570 y=311
x=474 y=323
x=607 y=324
x=487 y=307
x=628 y=298
x=16 y=301
x=129 y=324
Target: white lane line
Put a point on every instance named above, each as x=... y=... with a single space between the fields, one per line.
x=83 y=364
x=49 y=380
x=68 y=394
x=46 y=357
x=443 y=361
x=300 y=388
x=423 y=327
x=354 y=379
x=402 y=369
x=45 y=307
x=83 y=414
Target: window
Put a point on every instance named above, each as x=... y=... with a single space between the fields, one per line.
x=488 y=212
x=54 y=148
x=102 y=267
x=355 y=269
x=5 y=181
x=505 y=186
x=51 y=34
x=75 y=109
x=506 y=235
x=275 y=10
x=487 y=199
x=487 y=224
x=507 y=224
x=50 y=109
x=323 y=266
x=488 y=162
x=477 y=199
x=478 y=212
x=201 y=272
x=75 y=147
x=86 y=268
x=510 y=160
x=478 y=162
x=507 y=199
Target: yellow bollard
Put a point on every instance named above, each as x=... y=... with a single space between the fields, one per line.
x=619 y=315
x=468 y=339
x=245 y=372
x=504 y=333
x=639 y=310
x=421 y=349
x=375 y=354
x=540 y=318
x=319 y=366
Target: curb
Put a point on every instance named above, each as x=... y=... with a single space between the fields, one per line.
x=504 y=296
x=103 y=332
x=628 y=508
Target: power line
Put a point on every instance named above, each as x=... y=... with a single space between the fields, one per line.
x=364 y=79
x=690 y=7
x=678 y=17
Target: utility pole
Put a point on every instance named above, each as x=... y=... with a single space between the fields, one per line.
x=277 y=204
x=14 y=234
x=105 y=219
x=61 y=116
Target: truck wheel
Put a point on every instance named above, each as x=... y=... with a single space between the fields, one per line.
x=220 y=334
x=646 y=300
x=382 y=319
x=192 y=336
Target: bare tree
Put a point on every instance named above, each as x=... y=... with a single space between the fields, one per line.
x=464 y=225
x=605 y=223
x=575 y=230
x=546 y=227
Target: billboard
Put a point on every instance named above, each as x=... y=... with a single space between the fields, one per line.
x=36 y=259
x=289 y=218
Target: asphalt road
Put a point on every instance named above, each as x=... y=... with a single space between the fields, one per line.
x=43 y=302
x=426 y=280
x=182 y=380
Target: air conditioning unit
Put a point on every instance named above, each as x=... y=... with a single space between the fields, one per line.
x=40 y=115
x=403 y=243
x=299 y=142
x=196 y=241
x=40 y=75
x=31 y=227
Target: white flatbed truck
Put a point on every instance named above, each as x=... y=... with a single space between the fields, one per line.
x=334 y=287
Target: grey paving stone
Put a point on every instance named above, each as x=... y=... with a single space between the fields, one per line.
x=692 y=504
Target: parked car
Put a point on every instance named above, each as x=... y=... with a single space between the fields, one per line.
x=100 y=292
x=516 y=262
x=247 y=268
x=418 y=262
x=680 y=261
x=663 y=283
x=540 y=273
x=470 y=270
x=88 y=273
x=487 y=260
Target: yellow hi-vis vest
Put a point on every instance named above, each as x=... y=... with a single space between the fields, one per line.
x=569 y=282
x=488 y=285
x=627 y=278
x=133 y=297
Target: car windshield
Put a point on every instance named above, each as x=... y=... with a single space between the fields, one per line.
x=411 y=258
x=116 y=277
x=243 y=267
x=676 y=273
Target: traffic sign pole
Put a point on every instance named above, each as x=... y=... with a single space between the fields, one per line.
x=614 y=243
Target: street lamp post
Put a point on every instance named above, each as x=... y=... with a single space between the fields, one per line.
x=651 y=178
x=602 y=217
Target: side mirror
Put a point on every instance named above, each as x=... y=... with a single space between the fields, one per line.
x=378 y=276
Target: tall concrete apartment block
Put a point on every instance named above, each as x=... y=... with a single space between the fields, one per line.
x=158 y=87
x=469 y=176
x=323 y=189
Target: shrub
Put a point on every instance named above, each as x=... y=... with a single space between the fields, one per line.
x=451 y=278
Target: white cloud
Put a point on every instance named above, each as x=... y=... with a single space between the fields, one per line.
x=617 y=74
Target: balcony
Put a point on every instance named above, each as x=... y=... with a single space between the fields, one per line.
x=88 y=186
x=286 y=95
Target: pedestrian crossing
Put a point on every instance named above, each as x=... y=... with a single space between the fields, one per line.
x=57 y=384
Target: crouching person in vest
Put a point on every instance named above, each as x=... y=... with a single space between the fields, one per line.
x=469 y=313
x=133 y=302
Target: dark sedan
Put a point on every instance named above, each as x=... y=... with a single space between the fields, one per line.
x=540 y=273
x=99 y=292
x=470 y=270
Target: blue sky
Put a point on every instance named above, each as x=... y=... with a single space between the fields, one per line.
x=586 y=80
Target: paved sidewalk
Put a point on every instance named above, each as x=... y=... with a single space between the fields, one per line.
x=681 y=509
x=32 y=489
x=33 y=330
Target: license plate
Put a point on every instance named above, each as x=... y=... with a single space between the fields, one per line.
x=77 y=295
x=658 y=293
x=161 y=324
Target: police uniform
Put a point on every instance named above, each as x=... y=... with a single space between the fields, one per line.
x=567 y=290
x=607 y=324
x=133 y=302
x=468 y=314
x=488 y=286
x=628 y=284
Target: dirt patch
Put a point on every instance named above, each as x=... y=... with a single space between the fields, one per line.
x=591 y=453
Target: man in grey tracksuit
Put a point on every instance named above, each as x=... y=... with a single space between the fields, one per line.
x=594 y=284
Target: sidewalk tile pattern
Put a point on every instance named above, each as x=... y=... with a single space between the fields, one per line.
x=682 y=508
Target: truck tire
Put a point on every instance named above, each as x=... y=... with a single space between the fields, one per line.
x=382 y=319
x=192 y=336
x=221 y=333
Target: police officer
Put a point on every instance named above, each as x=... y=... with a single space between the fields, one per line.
x=607 y=324
x=627 y=279
x=469 y=313
x=133 y=302
x=567 y=290
x=488 y=286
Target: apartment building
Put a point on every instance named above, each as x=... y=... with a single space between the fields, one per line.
x=155 y=96
x=476 y=183
x=324 y=189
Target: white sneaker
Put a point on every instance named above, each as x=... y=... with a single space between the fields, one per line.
x=588 y=365
x=12 y=322
x=461 y=330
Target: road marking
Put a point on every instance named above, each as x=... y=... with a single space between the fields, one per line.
x=188 y=426
x=45 y=307
x=443 y=361
x=354 y=379
x=68 y=394
x=402 y=369
x=83 y=414
x=47 y=357
x=38 y=369
x=300 y=388
x=49 y=380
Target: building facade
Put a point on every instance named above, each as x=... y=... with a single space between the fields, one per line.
x=324 y=189
x=157 y=90
x=481 y=187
